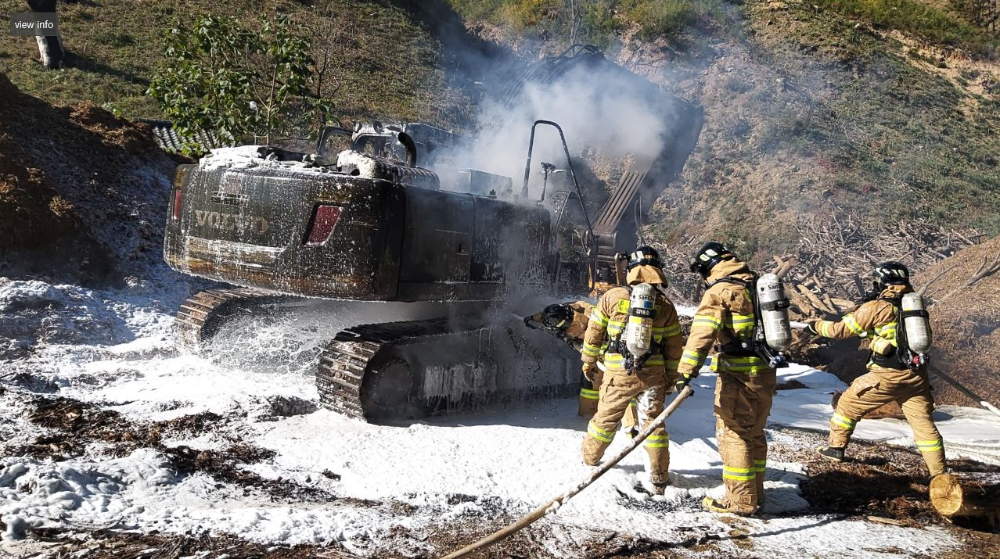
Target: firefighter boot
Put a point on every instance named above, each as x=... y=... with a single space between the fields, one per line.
x=831 y=453
x=722 y=507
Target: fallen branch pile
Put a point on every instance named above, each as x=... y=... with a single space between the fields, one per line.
x=821 y=274
x=838 y=251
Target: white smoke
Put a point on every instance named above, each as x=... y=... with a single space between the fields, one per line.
x=600 y=114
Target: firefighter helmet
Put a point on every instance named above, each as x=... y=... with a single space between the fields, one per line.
x=890 y=273
x=558 y=316
x=708 y=256
x=644 y=256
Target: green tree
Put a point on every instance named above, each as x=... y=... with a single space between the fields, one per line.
x=235 y=81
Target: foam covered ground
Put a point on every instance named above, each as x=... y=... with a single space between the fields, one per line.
x=393 y=483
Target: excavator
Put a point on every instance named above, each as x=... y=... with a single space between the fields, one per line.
x=392 y=220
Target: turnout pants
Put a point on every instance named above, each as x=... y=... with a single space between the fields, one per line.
x=742 y=404
x=590 y=395
x=912 y=391
x=649 y=389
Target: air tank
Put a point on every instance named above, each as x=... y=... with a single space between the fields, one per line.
x=639 y=330
x=774 y=312
x=916 y=322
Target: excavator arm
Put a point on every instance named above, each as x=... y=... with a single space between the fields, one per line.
x=617 y=226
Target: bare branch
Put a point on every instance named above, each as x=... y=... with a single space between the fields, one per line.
x=923 y=289
x=986 y=269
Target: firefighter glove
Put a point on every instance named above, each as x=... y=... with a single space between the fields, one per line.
x=683 y=381
x=811 y=328
x=590 y=371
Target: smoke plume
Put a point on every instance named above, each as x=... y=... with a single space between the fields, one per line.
x=603 y=116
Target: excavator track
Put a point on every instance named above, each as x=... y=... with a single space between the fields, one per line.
x=402 y=370
x=346 y=359
x=201 y=314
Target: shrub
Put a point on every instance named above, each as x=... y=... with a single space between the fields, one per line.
x=231 y=79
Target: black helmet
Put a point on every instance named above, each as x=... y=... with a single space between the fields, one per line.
x=644 y=256
x=708 y=256
x=890 y=273
x=558 y=316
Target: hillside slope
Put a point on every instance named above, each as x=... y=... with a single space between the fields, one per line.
x=817 y=117
x=381 y=60
x=837 y=118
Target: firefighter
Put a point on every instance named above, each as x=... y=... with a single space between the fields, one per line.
x=569 y=321
x=887 y=379
x=746 y=382
x=647 y=379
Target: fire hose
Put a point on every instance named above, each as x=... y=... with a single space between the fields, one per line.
x=958 y=386
x=553 y=504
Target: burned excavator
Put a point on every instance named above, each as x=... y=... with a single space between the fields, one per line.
x=390 y=219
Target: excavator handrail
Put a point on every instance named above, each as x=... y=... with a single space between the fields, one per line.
x=326 y=133
x=592 y=256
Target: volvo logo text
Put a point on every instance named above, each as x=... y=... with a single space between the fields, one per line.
x=231 y=222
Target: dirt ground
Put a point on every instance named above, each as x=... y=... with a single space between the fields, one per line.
x=886 y=484
x=75 y=424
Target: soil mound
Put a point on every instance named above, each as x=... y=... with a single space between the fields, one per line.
x=965 y=317
x=82 y=192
